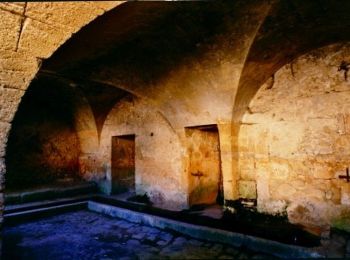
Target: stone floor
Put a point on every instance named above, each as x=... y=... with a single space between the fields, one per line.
x=88 y=235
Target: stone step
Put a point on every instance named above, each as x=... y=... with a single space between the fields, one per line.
x=50 y=193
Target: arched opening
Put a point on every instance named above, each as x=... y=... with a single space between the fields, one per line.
x=169 y=77
x=43 y=147
x=53 y=134
x=148 y=93
x=289 y=31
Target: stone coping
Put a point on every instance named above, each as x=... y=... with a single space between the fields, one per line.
x=50 y=193
x=209 y=234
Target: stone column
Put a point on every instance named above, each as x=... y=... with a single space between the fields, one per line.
x=228 y=174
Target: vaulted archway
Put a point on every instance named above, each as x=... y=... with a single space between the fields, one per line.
x=288 y=31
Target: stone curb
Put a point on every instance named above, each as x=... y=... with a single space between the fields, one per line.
x=209 y=234
x=27 y=215
x=49 y=193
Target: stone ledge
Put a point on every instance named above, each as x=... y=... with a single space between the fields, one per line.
x=50 y=193
x=15 y=218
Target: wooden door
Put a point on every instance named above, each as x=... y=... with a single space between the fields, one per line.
x=123 y=163
x=205 y=180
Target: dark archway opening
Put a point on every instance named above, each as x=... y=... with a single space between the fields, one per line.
x=43 y=147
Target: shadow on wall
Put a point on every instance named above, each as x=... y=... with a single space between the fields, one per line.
x=43 y=146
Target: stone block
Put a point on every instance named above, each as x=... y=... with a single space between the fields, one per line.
x=246 y=174
x=335 y=196
x=321 y=171
x=298 y=184
x=319 y=135
x=314 y=192
x=274 y=207
x=341 y=124
x=263 y=191
x=68 y=14
x=40 y=39
x=18 y=61
x=9 y=30
x=347 y=123
x=16 y=79
x=246 y=165
x=2 y=173
x=16 y=8
x=279 y=170
x=17 y=69
x=345 y=194
x=9 y=101
x=247 y=189
x=4 y=131
x=341 y=144
x=285 y=138
x=283 y=191
x=107 y=5
x=253 y=138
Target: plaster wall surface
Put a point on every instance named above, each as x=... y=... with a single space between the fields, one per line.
x=294 y=141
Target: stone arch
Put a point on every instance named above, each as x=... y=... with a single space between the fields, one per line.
x=55 y=126
x=84 y=123
x=293 y=142
x=282 y=38
x=32 y=32
x=165 y=87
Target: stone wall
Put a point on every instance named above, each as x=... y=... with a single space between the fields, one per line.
x=30 y=32
x=158 y=152
x=294 y=141
x=26 y=38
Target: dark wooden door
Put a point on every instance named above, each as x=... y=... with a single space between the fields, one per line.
x=123 y=163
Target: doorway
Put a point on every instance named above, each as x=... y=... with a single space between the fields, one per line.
x=205 y=175
x=123 y=163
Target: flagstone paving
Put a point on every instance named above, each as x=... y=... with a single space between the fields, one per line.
x=88 y=235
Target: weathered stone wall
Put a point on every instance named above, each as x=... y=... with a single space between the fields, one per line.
x=158 y=152
x=30 y=32
x=294 y=142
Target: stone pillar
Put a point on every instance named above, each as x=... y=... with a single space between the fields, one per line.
x=228 y=174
